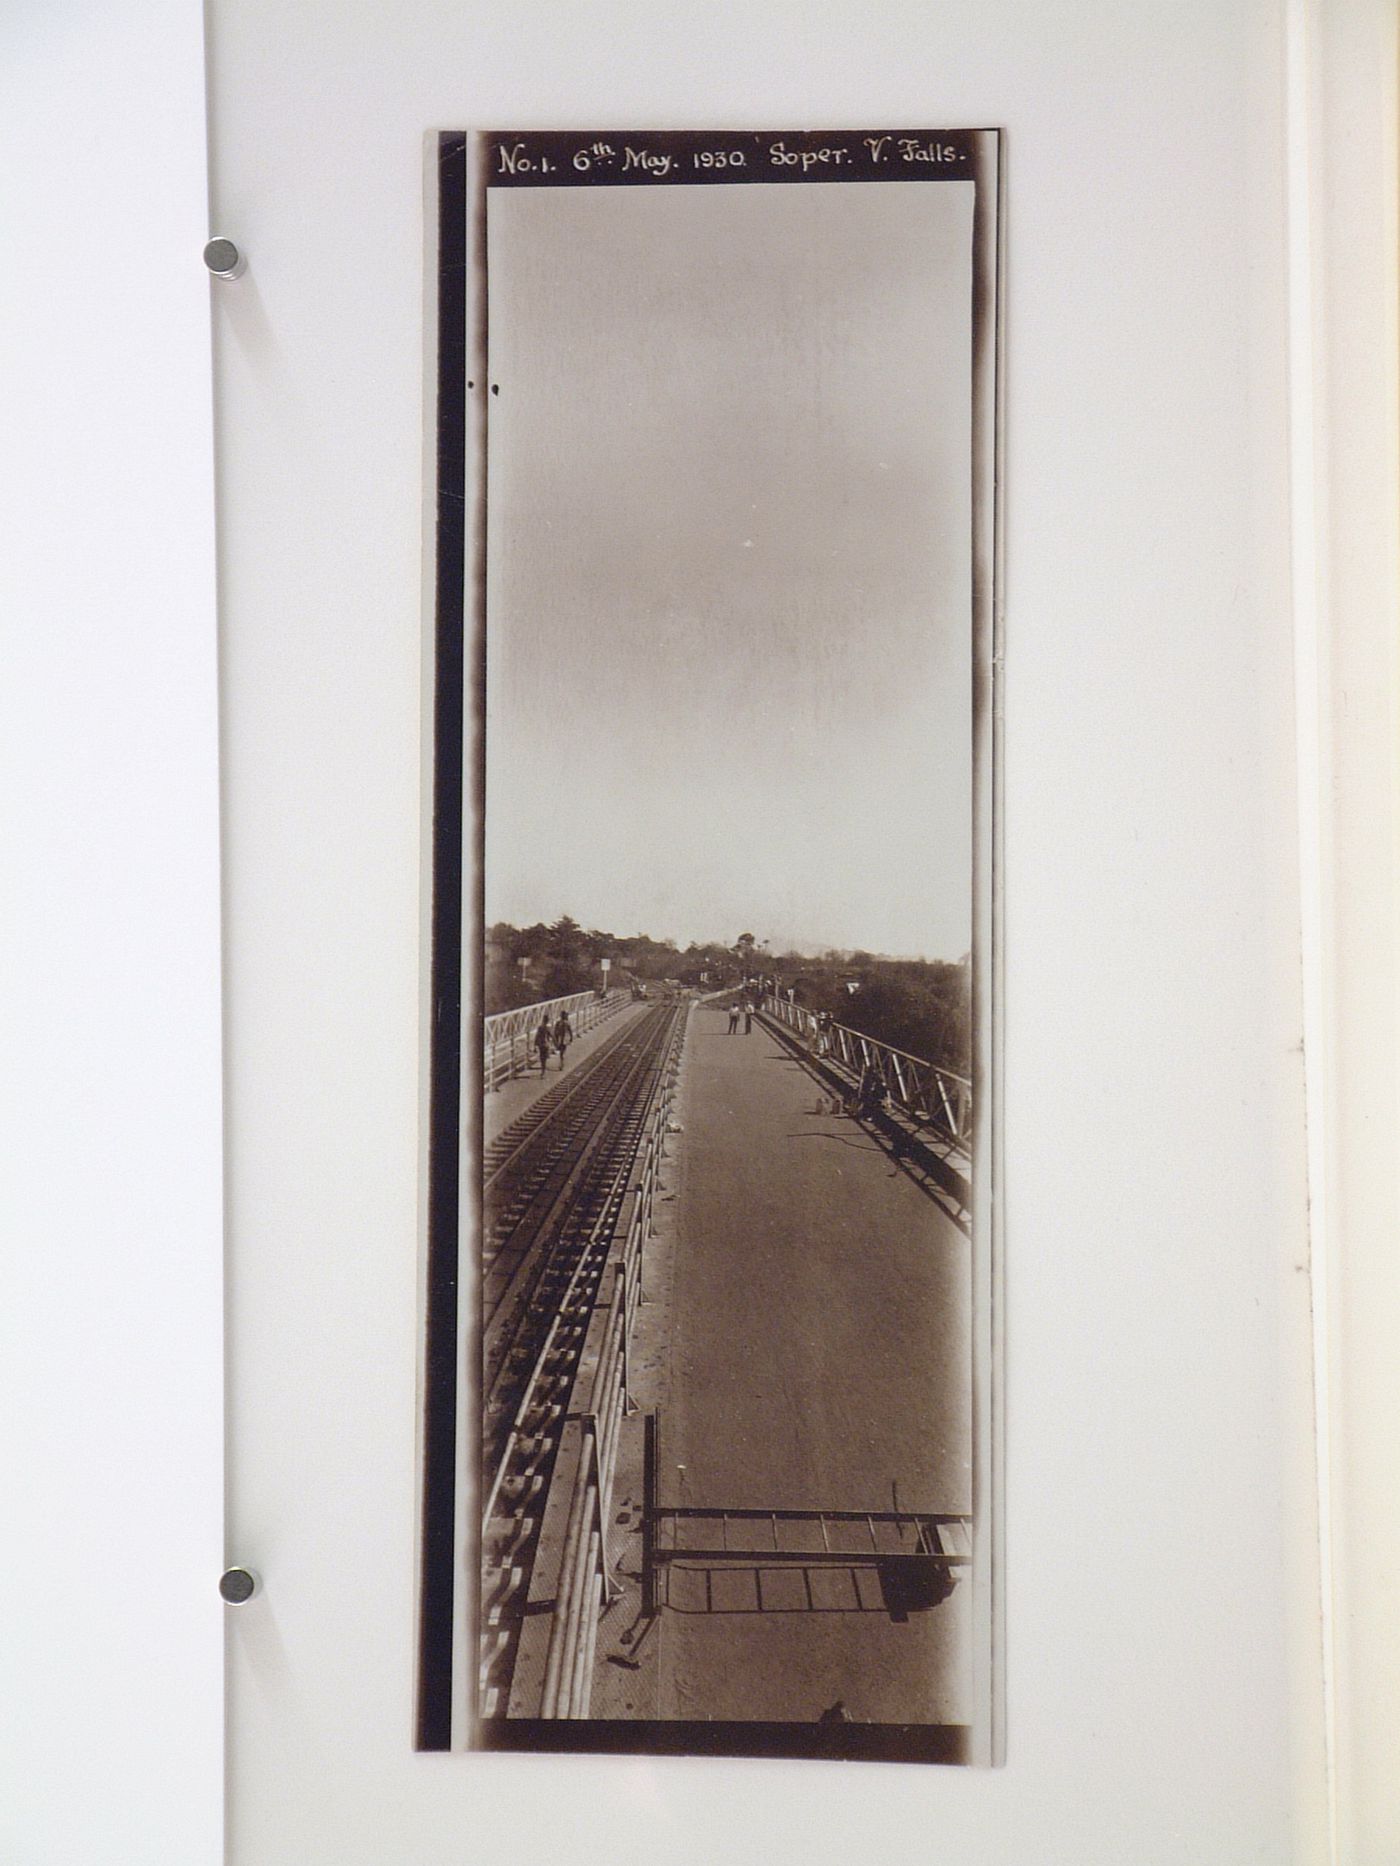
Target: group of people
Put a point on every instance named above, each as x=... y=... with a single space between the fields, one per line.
x=559 y=1035
x=872 y=1091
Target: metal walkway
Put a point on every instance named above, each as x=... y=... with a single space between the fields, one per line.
x=914 y=1551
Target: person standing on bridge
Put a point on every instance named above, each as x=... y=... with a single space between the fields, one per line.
x=563 y=1035
x=748 y=1015
x=733 y=1015
x=542 y=1042
x=870 y=1096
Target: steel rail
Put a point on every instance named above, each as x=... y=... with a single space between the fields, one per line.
x=592 y=1485
x=531 y=1383
x=606 y=1203
x=536 y=1118
x=570 y=1224
x=615 y=1096
x=549 y=1114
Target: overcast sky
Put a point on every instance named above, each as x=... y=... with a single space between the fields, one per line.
x=729 y=606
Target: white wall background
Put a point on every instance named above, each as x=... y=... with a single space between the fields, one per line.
x=111 y=1451
x=1154 y=1139
x=1158 y=1626
x=1349 y=471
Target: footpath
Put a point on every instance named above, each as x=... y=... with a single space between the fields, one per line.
x=503 y=1105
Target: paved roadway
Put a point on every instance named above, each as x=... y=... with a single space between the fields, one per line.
x=819 y=1357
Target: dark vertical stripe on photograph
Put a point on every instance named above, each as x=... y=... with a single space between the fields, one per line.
x=434 y=1708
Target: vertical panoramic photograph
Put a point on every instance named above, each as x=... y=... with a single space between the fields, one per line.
x=707 y=1429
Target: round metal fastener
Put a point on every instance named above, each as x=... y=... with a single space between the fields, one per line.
x=224 y=259
x=237 y=1585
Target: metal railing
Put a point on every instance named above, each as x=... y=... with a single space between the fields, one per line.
x=586 y=1581
x=933 y=1097
x=509 y=1036
x=930 y=1549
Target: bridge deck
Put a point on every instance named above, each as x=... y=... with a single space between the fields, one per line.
x=816 y=1360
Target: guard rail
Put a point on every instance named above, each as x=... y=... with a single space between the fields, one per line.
x=508 y=1036
x=931 y=1096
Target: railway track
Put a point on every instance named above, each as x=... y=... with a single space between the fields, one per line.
x=553 y=1187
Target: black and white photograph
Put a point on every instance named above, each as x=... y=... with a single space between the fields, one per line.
x=710 y=1441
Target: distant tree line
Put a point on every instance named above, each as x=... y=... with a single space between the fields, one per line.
x=527 y=964
x=919 y=1005
x=922 y=1006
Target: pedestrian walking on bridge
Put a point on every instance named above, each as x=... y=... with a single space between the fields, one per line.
x=733 y=1016
x=563 y=1035
x=748 y=1015
x=542 y=1042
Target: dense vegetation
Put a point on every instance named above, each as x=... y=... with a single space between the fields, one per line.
x=919 y=1005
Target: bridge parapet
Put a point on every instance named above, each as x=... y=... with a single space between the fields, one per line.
x=508 y=1035
x=933 y=1097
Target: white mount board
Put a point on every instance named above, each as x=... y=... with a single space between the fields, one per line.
x=1153 y=1078
x=111 y=1190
